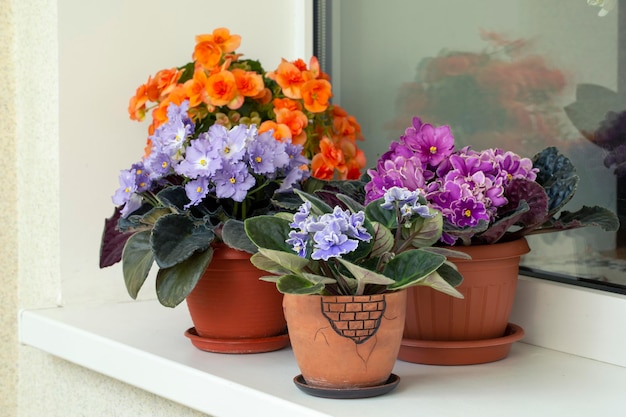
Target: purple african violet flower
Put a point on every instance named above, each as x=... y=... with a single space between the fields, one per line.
x=142 y=177
x=467 y=186
x=332 y=243
x=231 y=145
x=467 y=212
x=431 y=144
x=233 y=181
x=333 y=234
x=196 y=190
x=267 y=155
x=202 y=158
x=128 y=186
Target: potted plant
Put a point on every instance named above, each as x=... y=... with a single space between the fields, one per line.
x=489 y=201
x=343 y=269
x=226 y=140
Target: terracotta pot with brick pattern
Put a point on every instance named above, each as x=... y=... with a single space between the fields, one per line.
x=345 y=341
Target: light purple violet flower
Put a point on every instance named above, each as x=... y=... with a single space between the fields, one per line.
x=233 y=181
x=202 y=158
x=298 y=241
x=301 y=215
x=128 y=186
x=331 y=242
x=159 y=164
x=267 y=155
x=170 y=137
x=231 y=144
x=399 y=196
x=196 y=190
x=356 y=228
x=142 y=177
x=333 y=234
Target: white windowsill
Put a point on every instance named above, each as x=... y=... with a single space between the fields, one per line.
x=142 y=344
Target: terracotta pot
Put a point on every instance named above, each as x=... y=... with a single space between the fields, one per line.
x=345 y=342
x=489 y=285
x=232 y=310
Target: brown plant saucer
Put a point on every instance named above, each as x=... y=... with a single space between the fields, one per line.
x=238 y=346
x=463 y=352
x=347 y=393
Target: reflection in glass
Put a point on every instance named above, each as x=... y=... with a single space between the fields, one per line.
x=520 y=75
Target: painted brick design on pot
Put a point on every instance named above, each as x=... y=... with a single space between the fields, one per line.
x=355 y=317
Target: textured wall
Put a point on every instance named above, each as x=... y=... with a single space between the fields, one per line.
x=8 y=203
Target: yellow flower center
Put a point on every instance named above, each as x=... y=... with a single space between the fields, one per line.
x=142 y=184
x=258 y=159
x=199 y=189
x=467 y=213
x=227 y=150
x=127 y=190
x=203 y=162
x=164 y=164
x=233 y=180
x=433 y=149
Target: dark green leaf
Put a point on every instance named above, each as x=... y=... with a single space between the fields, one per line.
x=174 y=284
x=268 y=232
x=411 y=266
x=294 y=284
x=450 y=274
x=234 y=235
x=176 y=237
x=137 y=260
x=557 y=176
x=375 y=213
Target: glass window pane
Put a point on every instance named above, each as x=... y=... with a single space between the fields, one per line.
x=520 y=75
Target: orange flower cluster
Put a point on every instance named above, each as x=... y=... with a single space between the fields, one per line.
x=294 y=101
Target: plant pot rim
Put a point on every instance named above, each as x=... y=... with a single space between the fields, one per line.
x=222 y=251
x=514 y=248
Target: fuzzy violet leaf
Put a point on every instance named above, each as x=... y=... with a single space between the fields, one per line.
x=297 y=284
x=137 y=259
x=269 y=232
x=407 y=268
x=176 y=237
x=557 y=176
x=174 y=284
x=234 y=235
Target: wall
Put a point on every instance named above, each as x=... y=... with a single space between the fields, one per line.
x=68 y=68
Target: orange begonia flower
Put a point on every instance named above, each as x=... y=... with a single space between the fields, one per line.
x=162 y=83
x=249 y=83
x=281 y=131
x=296 y=121
x=346 y=125
x=264 y=96
x=316 y=94
x=290 y=78
x=320 y=169
x=286 y=103
x=207 y=53
x=355 y=165
x=333 y=156
x=221 y=88
x=137 y=104
x=223 y=38
x=196 y=89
